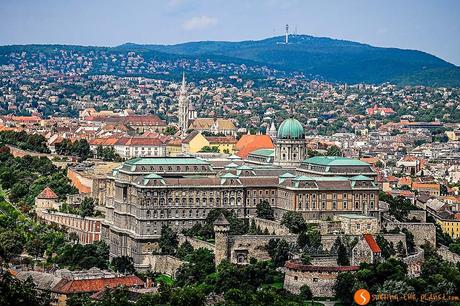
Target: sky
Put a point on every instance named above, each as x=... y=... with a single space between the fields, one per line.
x=432 y=26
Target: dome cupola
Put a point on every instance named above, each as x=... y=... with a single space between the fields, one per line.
x=291 y=129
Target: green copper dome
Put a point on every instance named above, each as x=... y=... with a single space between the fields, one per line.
x=291 y=129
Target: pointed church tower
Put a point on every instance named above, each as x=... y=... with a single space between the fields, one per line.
x=183 y=111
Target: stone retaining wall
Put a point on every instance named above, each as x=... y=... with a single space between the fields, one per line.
x=423 y=232
x=196 y=243
x=164 y=264
x=273 y=227
x=444 y=252
x=417 y=214
x=414 y=262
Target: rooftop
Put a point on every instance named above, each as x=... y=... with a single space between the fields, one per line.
x=47 y=193
x=334 y=161
x=264 y=152
x=320 y=178
x=166 y=161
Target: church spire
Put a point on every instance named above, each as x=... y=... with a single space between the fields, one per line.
x=183 y=107
x=183 y=88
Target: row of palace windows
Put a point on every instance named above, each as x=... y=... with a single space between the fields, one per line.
x=190 y=201
x=323 y=205
x=198 y=202
x=255 y=201
x=323 y=196
x=193 y=192
x=178 y=168
x=261 y=192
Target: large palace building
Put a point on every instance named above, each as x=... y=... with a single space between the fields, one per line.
x=146 y=193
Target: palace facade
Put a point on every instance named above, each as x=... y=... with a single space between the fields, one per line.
x=144 y=194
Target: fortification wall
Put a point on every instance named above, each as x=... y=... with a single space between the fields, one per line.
x=414 y=262
x=448 y=255
x=164 y=264
x=395 y=239
x=196 y=243
x=417 y=214
x=273 y=227
x=423 y=232
x=254 y=246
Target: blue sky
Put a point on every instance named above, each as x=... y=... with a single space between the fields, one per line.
x=428 y=25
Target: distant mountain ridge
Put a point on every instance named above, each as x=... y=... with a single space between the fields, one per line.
x=330 y=59
x=321 y=58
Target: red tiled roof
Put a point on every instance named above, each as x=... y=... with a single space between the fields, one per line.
x=372 y=243
x=293 y=265
x=47 y=193
x=25 y=118
x=110 y=141
x=416 y=186
x=392 y=178
x=250 y=143
x=68 y=286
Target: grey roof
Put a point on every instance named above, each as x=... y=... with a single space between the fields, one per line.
x=221 y=220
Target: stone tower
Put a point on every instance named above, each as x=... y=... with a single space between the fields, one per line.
x=290 y=144
x=221 y=230
x=183 y=111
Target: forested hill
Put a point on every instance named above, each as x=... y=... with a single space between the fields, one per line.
x=330 y=59
x=314 y=57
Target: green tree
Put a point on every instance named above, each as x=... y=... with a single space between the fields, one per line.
x=396 y=288
x=410 y=243
x=400 y=248
x=210 y=149
x=386 y=247
x=115 y=296
x=342 y=254
x=294 y=221
x=170 y=130
x=305 y=292
x=278 y=249
x=123 y=264
x=305 y=259
x=265 y=211
x=11 y=244
x=188 y=295
x=87 y=207
x=334 y=151
x=310 y=239
x=36 y=247
x=168 y=241
x=200 y=263
x=184 y=249
x=16 y=292
x=344 y=287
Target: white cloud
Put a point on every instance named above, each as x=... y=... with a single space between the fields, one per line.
x=199 y=22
